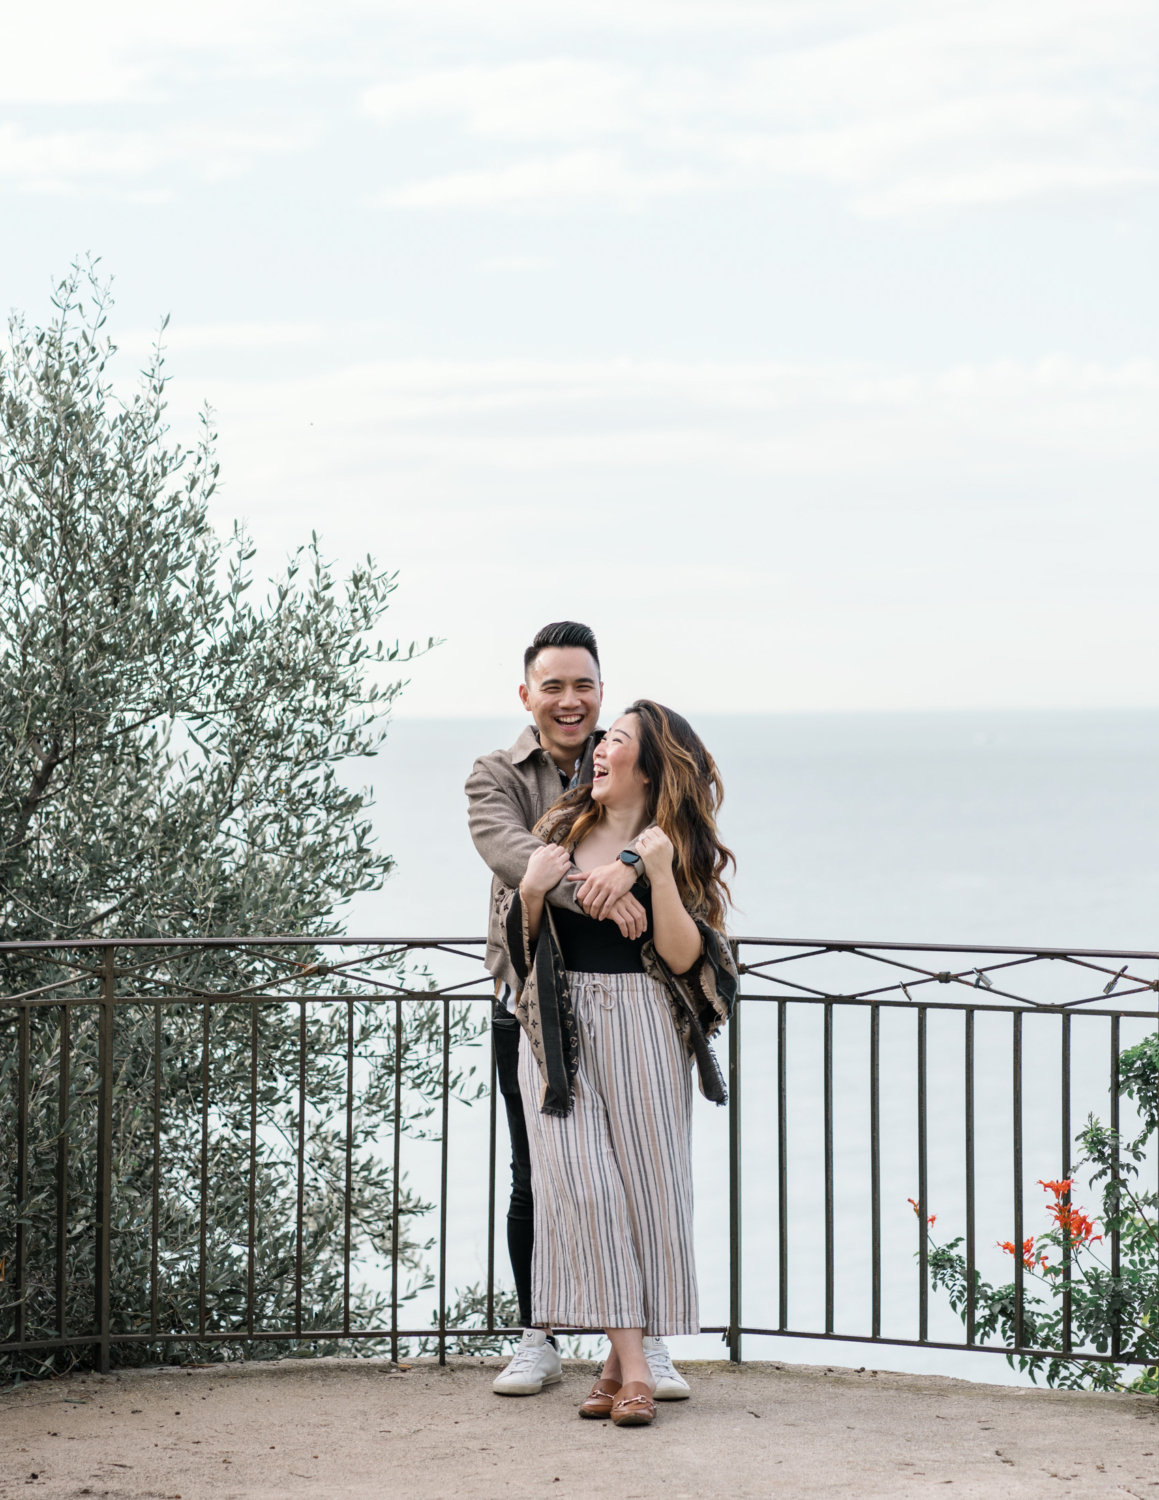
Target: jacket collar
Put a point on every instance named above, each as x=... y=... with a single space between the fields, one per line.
x=527 y=745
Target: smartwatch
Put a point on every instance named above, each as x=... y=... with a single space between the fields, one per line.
x=630 y=857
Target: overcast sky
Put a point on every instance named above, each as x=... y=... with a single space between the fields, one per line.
x=808 y=351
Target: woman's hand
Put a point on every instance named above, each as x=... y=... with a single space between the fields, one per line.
x=545 y=869
x=675 y=934
x=655 y=848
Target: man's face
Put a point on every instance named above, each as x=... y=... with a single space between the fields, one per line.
x=563 y=694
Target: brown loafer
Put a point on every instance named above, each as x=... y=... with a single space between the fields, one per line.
x=634 y=1406
x=600 y=1402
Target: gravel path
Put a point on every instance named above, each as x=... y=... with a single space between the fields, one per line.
x=354 y=1428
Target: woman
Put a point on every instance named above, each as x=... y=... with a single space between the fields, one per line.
x=609 y=1025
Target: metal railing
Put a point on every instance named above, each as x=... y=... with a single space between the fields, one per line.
x=99 y=1040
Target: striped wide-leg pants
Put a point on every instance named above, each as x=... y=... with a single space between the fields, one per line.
x=612 y=1181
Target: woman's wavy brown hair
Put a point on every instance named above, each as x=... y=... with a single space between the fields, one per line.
x=684 y=796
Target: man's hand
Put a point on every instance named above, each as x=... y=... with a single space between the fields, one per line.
x=600 y=889
x=629 y=916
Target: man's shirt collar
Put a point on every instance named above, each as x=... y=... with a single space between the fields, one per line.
x=528 y=745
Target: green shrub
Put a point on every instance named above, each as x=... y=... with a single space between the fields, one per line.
x=1111 y=1312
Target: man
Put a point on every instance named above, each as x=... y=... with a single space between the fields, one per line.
x=508 y=792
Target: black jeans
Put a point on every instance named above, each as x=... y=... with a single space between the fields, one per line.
x=505 y=1030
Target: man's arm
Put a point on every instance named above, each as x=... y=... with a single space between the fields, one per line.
x=601 y=890
x=501 y=835
x=505 y=843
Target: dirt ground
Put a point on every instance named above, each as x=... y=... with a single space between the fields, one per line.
x=361 y=1429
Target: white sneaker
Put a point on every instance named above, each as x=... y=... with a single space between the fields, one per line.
x=536 y=1363
x=670 y=1384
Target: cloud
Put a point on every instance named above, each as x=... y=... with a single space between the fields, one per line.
x=544 y=180
x=516 y=263
x=227 y=338
x=999 y=182
x=136 y=51
x=847 y=419
x=899 y=106
x=550 y=99
x=62 y=161
x=982 y=531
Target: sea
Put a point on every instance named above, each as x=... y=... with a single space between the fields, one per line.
x=1030 y=829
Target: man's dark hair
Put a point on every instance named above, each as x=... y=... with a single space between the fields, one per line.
x=561 y=633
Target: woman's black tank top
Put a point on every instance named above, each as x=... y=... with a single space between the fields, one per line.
x=589 y=946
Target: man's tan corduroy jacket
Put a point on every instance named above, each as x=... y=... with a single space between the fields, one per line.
x=508 y=792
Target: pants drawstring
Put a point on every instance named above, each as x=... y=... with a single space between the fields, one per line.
x=592 y=991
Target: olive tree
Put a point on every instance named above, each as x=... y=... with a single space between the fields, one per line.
x=170 y=747
x=173 y=763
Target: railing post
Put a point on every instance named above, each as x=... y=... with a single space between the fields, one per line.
x=63 y=1104
x=1067 y=1331
x=348 y=1188
x=875 y=1164
x=104 y=1185
x=444 y=1150
x=491 y=1129
x=1019 y=1264
x=251 y=1204
x=394 y=1185
x=22 y=1086
x=923 y=1186
x=1116 y=1246
x=782 y=1167
x=971 y=1276
x=827 y=1098
x=300 y=1217
x=203 y=1197
x=734 y=1183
